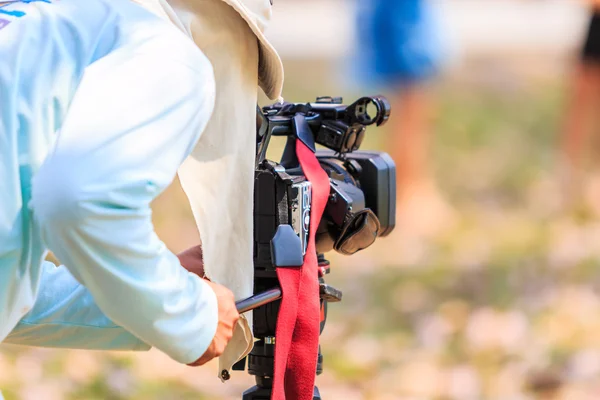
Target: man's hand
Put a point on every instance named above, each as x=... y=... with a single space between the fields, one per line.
x=191 y=260
x=228 y=317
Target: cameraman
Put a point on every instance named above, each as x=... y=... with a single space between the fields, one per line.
x=101 y=101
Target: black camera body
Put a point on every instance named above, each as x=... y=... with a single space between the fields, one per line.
x=360 y=207
x=361 y=180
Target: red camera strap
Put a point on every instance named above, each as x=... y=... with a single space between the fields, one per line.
x=298 y=322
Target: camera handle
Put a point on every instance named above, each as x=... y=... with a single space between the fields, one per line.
x=328 y=293
x=284 y=125
x=258 y=300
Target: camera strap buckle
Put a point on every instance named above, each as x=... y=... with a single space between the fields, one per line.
x=286 y=248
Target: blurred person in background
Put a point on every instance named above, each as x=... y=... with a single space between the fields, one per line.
x=582 y=109
x=400 y=51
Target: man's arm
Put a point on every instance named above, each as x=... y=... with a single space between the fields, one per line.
x=65 y=314
x=135 y=118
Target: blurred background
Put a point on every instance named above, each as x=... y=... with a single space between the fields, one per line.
x=488 y=288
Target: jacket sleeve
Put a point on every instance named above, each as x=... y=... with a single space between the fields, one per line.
x=118 y=149
x=65 y=315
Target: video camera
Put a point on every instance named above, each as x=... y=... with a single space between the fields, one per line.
x=360 y=207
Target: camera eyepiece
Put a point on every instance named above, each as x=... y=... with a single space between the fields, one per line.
x=357 y=112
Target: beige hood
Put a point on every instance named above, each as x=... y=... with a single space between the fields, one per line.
x=257 y=13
